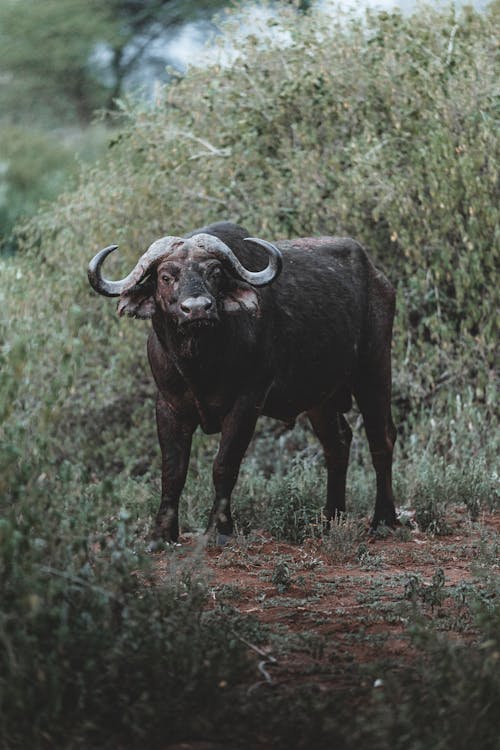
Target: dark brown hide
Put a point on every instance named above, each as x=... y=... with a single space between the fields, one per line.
x=308 y=342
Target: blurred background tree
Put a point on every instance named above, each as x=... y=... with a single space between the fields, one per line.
x=61 y=61
x=46 y=48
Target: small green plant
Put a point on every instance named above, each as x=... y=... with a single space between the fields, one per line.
x=430 y=515
x=488 y=553
x=367 y=559
x=430 y=500
x=90 y=640
x=285 y=505
x=340 y=540
x=282 y=577
x=403 y=534
x=432 y=594
x=433 y=485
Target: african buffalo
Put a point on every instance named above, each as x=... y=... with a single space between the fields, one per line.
x=230 y=342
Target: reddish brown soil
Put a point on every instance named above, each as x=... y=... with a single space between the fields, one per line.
x=326 y=608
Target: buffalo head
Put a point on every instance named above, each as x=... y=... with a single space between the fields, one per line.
x=191 y=282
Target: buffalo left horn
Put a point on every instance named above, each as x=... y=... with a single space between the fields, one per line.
x=220 y=250
x=273 y=270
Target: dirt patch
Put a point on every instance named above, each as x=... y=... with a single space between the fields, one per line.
x=326 y=608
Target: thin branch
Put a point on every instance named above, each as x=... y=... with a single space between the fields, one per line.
x=268 y=659
x=264 y=672
x=203 y=142
x=208 y=198
x=451 y=44
x=259 y=651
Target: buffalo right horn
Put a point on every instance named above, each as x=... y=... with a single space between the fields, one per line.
x=158 y=249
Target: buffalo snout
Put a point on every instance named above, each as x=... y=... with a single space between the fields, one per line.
x=196 y=305
x=198 y=308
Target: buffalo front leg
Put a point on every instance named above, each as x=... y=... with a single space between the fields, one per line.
x=335 y=436
x=175 y=433
x=237 y=430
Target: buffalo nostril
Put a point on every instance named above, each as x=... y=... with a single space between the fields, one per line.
x=193 y=305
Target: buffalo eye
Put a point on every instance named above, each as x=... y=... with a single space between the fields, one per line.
x=166 y=278
x=215 y=273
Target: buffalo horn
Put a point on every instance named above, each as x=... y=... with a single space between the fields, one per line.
x=273 y=270
x=114 y=288
x=165 y=245
x=220 y=250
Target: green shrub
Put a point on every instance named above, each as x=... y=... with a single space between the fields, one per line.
x=94 y=649
x=453 y=697
x=35 y=167
x=288 y=505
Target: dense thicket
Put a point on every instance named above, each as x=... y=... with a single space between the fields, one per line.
x=383 y=129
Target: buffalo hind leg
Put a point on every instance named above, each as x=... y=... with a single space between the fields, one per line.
x=375 y=407
x=175 y=435
x=335 y=435
x=237 y=430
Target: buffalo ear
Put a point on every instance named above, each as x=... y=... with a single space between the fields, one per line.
x=138 y=302
x=241 y=298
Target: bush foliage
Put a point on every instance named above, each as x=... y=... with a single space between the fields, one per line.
x=381 y=128
x=35 y=166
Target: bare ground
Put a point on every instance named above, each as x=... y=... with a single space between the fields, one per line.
x=323 y=609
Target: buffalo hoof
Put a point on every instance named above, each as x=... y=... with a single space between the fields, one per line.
x=222 y=539
x=166 y=529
